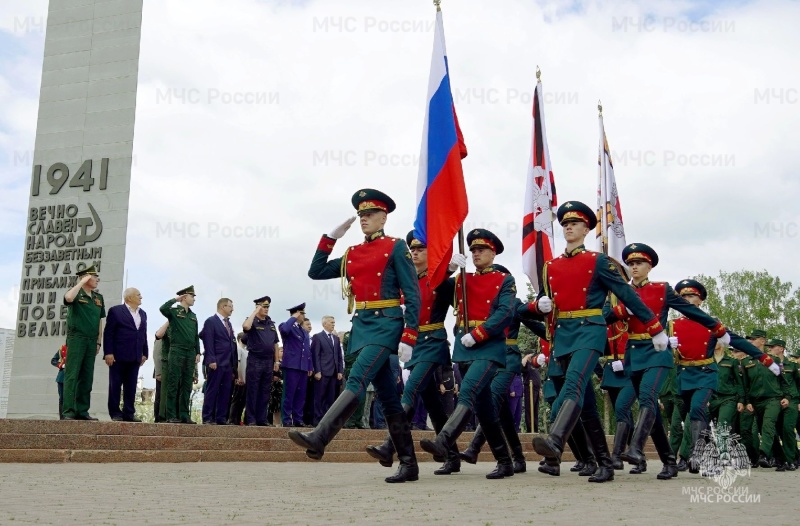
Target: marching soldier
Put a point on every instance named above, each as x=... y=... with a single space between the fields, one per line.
x=766 y=392
x=576 y=286
x=649 y=366
x=786 y=451
x=374 y=274
x=431 y=352
x=480 y=349
x=748 y=426
x=499 y=388
x=85 y=311
x=184 y=353
x=673 y=414
x=697 y=369
x=728 y=398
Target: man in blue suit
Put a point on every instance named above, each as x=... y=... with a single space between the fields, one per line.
x=328 y=366
x=297 y=366
x=125 y=350
x=221 y=360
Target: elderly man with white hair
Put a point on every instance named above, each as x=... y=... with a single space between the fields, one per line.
x=125 y=350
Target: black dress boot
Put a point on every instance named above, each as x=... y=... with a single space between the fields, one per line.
x=620 y=438
x=640 y=468
x=635 y=452
x=661 y=442
x=682 y=465
x=400 y=431
x=512 y=437
x=579 y=444
x=597 y=438
x=316 y=440
x=384 y=453
x=470 y=455
x=453 y=462
x=446 y=438
x=497 y=443
x=696 y=428
x=551 y=446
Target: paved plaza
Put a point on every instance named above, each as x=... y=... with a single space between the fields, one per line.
x=326 y=493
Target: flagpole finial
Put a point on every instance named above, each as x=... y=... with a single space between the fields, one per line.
x=600 y=107
x=538 y=74
x=438 y=5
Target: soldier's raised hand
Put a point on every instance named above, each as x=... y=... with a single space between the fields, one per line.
x=339 y=231
x=456 y=262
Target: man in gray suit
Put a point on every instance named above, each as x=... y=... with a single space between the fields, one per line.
x=326 y=351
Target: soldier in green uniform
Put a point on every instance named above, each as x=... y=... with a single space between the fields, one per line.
x=786 y=451
x=184 y=353
x=766 y=392
x=356 y=420
x=674 y=415
x=85 y=310
x=795 y=359
x=748 y=427
x=374 y=274
x=728 y=399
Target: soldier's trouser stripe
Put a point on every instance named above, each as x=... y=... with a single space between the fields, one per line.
x=577 y=378
x=477 y=377
x=372 y=366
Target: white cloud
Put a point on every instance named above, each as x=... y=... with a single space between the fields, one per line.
x=350 y=80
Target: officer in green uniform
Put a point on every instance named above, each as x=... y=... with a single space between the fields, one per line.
x=184 y=353
x=85 y=310
x=748 y=427
x=786 y=451
x=766 y=392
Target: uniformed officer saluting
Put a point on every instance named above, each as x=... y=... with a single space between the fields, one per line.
x=184 y=353
x=85 y=309
x=575 y=288
x=375 y=272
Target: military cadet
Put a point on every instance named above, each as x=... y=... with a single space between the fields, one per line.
x=697 y=369
x=766 y=392
x=576 y=286
x=431 y=352
x=728 y=398
x=480 y=349
x=184 y=353
x=650 y=366
x=786 y=451
x=748 y=426
x=85 y=310
x=500 y=385
x=374 y=274
x=261 y=337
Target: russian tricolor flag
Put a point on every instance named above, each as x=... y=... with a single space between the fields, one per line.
x=441 y=193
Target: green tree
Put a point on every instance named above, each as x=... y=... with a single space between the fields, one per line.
x=747 y=299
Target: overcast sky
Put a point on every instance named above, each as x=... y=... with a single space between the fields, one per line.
x=257 y=120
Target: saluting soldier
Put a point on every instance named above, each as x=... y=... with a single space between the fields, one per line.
x=697 y=369
x=184 y=353
x=576 y=286
x=85 y=311
x=480 y=349
x=431 y=352
x=375 y=273
x=649 y=366
x=786 y=451
x=261 y=337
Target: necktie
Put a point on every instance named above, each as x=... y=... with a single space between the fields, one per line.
x=228 y=326
x=330 y=337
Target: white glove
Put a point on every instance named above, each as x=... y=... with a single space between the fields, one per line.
x=339 y=231
x=541 y=359
x=775 y=368
x=467 y=340
x=456 y=262
x=726 y=339
x=544 y=305
x=617 y=366
x=673 y=342
x=629 y=311
x=404 y=352
x=661 y=341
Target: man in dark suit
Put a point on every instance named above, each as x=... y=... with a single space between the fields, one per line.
x=326 y=351
x=221 y=362
x=125 y=350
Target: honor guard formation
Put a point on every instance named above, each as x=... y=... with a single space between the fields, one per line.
x=694 y=381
